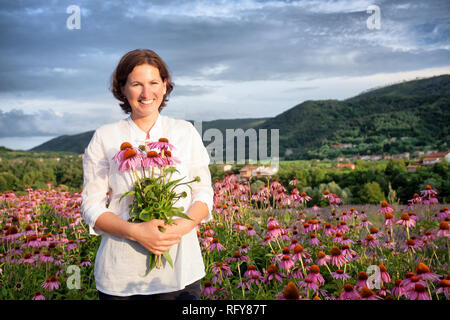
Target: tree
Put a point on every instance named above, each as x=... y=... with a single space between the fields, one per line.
x=372 y=193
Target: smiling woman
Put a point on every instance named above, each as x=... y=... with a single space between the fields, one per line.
x=142 y=83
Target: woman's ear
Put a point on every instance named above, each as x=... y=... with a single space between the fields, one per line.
x=165 y=86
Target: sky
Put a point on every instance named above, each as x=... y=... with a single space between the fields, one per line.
x=228 y=59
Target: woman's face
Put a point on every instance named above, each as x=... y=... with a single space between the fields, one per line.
x=144 y=90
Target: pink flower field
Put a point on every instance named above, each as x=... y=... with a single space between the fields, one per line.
x=272 y=244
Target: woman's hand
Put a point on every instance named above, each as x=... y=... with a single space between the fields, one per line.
x=151 y=238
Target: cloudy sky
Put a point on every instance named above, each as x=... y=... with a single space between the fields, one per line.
x=229 y=59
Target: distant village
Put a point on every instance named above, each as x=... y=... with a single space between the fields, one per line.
x=420 y=158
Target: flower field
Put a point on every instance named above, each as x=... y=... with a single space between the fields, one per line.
x=273 y=244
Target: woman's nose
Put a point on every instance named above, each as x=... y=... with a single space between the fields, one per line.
x=147 y=92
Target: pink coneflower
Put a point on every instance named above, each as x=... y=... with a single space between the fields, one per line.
x=118 y=157
x=251 y=271
x=340 y=274
x=255 y=279
x=428 y=237
x=313 y=240
x=406 y=221
x=290 y=292
x=153 y=159
x=362 y=279
x=442 y=214
x=407 y=281
x=132 y=160
x=272 y=222
x=315 y=275
x=410 y=282
x=304 y=197
x=365 y=222
x=349 y=293
x=413 y=245
x=424 y=273
x=322 y=258
x=337 y=237
x=161 y=144
x=51 y=284
x=371 y=242
x=388 y=220
x=299 y=253
x=38 y=296
x=367 y=294
x=215 y=245
x=347 y=252
x=27 y=258
x=46 y=257
x=272 y=273
x=251 y=231
x=431 y=200
x=382 y=292
x=337 y=258
x=32 y=241
x=444 y=287
x=274 y=231
x=307 y=227
x=71 y=245
x=221 y=271
x=428 y=191
x=238 y=227
x=418 y=292
x=244 y=248
x=328 y=230
x=208 y=289
x=385 y=207
x=85 y=263
x=344 y=216
x=237 y=256
x=398 y=290
x=296 y=273
x=286 y=262
x=308 y=284
x=244 y=284
x=342 y=227
x=385 y=277
x=168 y=159
x=443 y=230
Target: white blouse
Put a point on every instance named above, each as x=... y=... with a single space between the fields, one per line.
x=120 y=264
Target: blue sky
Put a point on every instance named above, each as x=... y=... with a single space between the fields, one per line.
x=229 y=59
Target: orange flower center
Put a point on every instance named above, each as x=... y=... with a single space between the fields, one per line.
x=125 y=145
x=129 y=153
x=291 y=292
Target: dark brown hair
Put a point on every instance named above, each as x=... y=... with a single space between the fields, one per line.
x=125 y=67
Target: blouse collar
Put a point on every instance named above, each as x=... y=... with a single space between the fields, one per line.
x=139 y=135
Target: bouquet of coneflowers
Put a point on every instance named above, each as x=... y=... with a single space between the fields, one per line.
x=154 y=191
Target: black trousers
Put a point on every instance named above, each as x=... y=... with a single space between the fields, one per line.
x=190 y=292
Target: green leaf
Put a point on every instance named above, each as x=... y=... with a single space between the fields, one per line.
x=129 y=193
x=168 y=258
x=151 y=264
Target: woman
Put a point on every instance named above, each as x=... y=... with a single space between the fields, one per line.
x=142 y=83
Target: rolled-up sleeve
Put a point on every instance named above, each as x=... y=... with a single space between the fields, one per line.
x=96 y=183
x=201 y=191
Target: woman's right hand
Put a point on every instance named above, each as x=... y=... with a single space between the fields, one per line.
x=151 y=238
